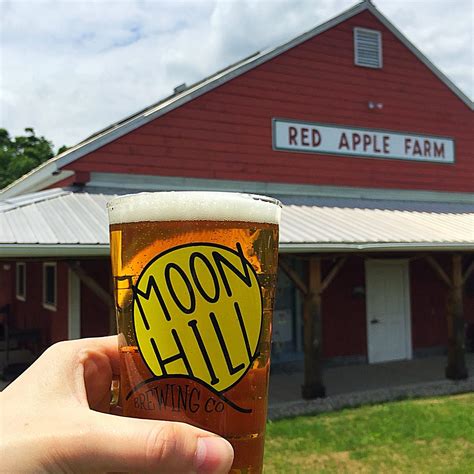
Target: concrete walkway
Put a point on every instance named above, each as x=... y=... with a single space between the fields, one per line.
x=361 y=384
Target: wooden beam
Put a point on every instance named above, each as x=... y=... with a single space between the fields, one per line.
x=468 y=272
x=332 y=274
x=313 y=384
x=102 y=294
x=293 y=276
x=456 y=368
x=439 y=270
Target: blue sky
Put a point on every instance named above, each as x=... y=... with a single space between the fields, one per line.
x=71 y=67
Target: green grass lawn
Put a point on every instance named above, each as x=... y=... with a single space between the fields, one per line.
x=415 y=436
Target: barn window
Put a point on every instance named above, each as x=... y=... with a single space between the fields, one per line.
x=21 y=281
x=49 y=285
x=367 y=48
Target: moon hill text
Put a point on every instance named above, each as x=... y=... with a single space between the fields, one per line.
x=204 y=278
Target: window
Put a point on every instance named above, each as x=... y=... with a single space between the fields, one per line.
x=367 y=48
x=21 y=281
x=49 y=285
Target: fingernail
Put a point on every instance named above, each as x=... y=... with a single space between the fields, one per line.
x=213 y=454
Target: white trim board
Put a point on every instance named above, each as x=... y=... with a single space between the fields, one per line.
x=160 y=183
x=53 y=250
x=76 y=251
x=74 y=306
x=50 y=305
x=375 y=247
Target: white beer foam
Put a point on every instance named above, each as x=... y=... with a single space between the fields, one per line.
x=193 y=206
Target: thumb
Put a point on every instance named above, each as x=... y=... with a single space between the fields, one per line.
x=114 y=443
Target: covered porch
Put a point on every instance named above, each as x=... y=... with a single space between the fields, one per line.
x=382 y=312
x=404 y=271
x=328 y=247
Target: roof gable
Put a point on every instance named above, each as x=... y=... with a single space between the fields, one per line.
x=51 y=171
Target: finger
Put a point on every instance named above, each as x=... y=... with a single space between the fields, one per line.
x=107 y=345
x=101 y=363
x=66 y=364
x=128 y=444
x=98 y=380
x=99 y=360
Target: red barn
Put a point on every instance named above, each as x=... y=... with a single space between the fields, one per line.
x=367 y=144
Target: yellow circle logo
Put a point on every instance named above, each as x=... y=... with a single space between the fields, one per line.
x=197 y=313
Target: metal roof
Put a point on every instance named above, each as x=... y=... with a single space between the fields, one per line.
x=332 y=225
x=71 y=223
x=51 y=219
x=50 y=172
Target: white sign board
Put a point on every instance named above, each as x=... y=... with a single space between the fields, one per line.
x=360 y=142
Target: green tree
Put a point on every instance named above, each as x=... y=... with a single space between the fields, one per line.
x=19 y=155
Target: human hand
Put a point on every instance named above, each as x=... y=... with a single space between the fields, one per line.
x=55 y=417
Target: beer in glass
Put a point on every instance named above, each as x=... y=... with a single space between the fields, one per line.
x=194 y=276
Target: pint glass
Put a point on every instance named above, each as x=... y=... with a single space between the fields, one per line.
x=194 y=276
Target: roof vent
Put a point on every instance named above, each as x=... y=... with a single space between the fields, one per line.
x=180 y=88
x=367 y=48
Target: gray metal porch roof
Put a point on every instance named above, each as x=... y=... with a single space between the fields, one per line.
x=65 y=222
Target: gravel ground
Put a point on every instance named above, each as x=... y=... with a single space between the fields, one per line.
x=337 y=402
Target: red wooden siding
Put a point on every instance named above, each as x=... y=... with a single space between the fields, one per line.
x=7 y=289
x=227 y=133
x=429 y=302
x=344 y=315
x=469 y=300
x=31 y=313
x=79 y=177
x=94 y=312
x=344 y=321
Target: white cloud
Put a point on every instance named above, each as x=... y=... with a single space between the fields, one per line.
x=69 y=68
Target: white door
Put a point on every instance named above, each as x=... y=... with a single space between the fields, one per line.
x=388 y=310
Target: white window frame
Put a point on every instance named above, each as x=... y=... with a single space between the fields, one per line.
x=356 y=58
x=49 y=305
x=20 y=296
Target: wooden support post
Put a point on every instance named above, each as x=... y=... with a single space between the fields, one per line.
x=313 y=385
x=468 y=272
x=456 y=369
x=439 y=270
x=333 y=273
x=102 y=294
x=105 y=296
x=293 y=275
